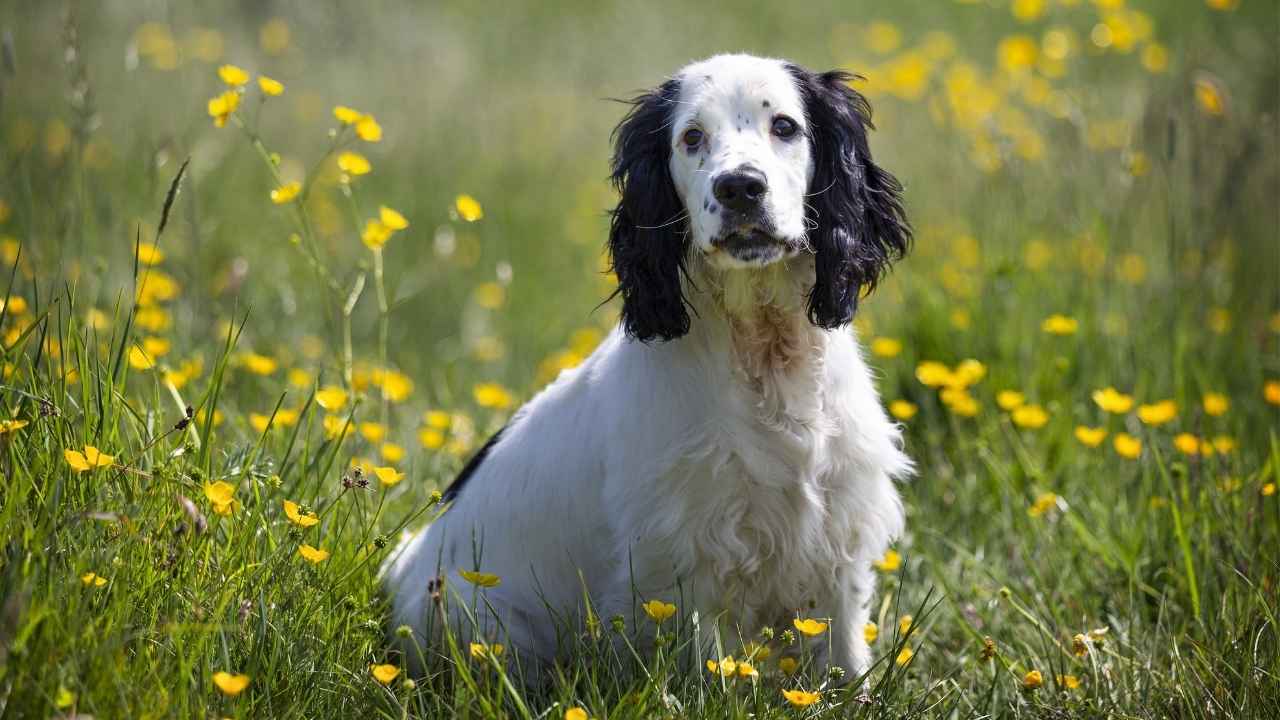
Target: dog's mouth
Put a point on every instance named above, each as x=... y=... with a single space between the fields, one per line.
x=752 y=245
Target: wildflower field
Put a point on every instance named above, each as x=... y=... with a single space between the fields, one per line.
x=273 y=271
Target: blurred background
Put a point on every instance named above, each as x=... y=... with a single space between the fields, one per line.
x=1093 y=185
x=1130 y=141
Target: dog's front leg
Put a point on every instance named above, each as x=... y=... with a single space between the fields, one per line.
x=849 y=609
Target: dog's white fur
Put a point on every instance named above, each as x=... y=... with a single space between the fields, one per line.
x=744 y=470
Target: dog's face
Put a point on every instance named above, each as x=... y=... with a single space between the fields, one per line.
x=741 y=160
x=749 y=161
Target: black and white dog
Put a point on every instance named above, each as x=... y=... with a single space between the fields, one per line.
x=724 y=448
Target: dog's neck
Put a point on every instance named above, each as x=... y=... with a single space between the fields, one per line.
x=758 y=316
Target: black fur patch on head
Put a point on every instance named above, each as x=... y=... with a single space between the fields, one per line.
x=854 y=205
x=649 y=234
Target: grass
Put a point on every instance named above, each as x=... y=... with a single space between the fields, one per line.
x=1133 y=198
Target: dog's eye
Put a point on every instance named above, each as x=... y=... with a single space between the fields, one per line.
x=784 y=127
x=692 y=138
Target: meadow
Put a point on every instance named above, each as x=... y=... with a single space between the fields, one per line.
x=273 y=271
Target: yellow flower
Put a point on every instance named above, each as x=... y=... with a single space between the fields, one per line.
x=1216 y=404
x=17 y=305
x=1043 y=504
x=384 y=673
x=905 y=656
x=659 y=611
x=1060 y=325
x=375 y=234
x=259 y=364
x=1155 y=57
x=870 y=632
x=905 y=624
x=726 y=667
x=1032 y=680
x=259 y=422
x=1010 y=399
x=90 y=459
x=933 y=373
x=396 y=386
x=890 y=562
x=353 y=163
x=969 y=372
x=312 y=554
x=490 y=295
x=300 y=378
x=1127 y=446
x=368 y=129
x=269 y=86
x=1018 y=53
x=800 y=698
x=1027 y=10
x=233 y=76
x=1090 y=436
x=148 y=254
x=431 y=438
x=468 y=208
x=747 y=670
x=481 y=651
x=1158 y=413
x=230 y=685
x=372 y=431
x=1187 y=444
x=1113 y=401
x=1080 y=645
x=94 y=579
x=222 y=106
x=1268 y=490
x=960 y=402
x=1032 y=417
x=222 y=496
x=788 y=666
x=391 y=218
x=575 y=713
x=139 y=359
x=1224 y=444
x=480 y=579
x=336 y=427
x=1068 y=682
x=388 y=476
x=8 y=426
x=391 y=452
x=331 y=398
x=1209 y=95
x=903 y=409
x=1271 y=392
x=437 y=419
x=886 y=347
x=346 y=115
x=492 y=395
x=809 y=626
x=301 y=519
x=286 y=192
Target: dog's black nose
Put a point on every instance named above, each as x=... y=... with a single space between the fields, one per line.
x=740 y=190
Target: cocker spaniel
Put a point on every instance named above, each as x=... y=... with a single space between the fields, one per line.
x=724 y=449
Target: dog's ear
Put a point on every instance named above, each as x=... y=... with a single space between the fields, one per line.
x=649 y=237
x=854 y=206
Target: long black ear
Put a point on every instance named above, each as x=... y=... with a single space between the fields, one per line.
x=854 y=206
x=649 y=236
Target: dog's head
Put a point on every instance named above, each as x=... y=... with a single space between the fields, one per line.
x=749 y=161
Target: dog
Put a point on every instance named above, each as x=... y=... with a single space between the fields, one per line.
x=724 y=448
